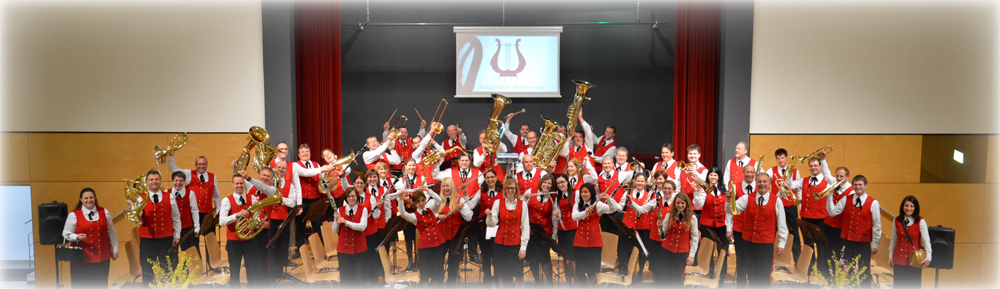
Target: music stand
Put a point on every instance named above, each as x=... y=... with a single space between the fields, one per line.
x=284 y=224
x=812 y=234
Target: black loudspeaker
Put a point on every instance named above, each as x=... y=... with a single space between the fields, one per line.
x=943 y=246
x=51 y=218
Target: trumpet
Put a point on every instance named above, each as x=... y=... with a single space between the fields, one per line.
x=435 y=155
x=495 y=130
x=684 y=167
x=137 y=192
x=732 y=198
x=175 y=144
x=826 y=149
x=257 y=135
x=826 y=192
x=247 y=228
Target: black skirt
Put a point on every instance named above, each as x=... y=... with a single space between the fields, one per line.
x=566 y=242
x=352 y=267
x=588 y=259
x=431 y=263
x=505 y=261
x=538 y=250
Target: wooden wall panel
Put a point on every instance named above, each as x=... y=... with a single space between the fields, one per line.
x=86 y=157
x=991 y=225
x=967 y=272
x=884 y=158
x=939 y=205
x=803 y=144
x=990 y=266
x=14 y=159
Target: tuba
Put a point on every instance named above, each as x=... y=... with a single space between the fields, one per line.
x=263 y=156
x=574 y=109
x=435 y=155
x=547 y=148
x=495 y=130
x=247 y=228
x=137 y=192
x=175 y=144
x=257 y=135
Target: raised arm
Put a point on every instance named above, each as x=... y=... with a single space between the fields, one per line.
x=172 y=165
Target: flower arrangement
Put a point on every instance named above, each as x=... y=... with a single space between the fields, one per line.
x=842 y=274
x=180 y=276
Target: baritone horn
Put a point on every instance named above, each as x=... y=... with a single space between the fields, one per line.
x=495 y=130
x=732 y=198
x=175 y=144
x=256 y=135
x=826 y=149
x=247 y=228
x=137 y=192
x=547 y=148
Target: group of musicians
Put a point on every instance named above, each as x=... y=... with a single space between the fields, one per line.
x=510 y=216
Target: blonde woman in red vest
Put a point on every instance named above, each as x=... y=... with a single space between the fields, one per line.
x=161 y=226
x=633 y=220
x=510 y=216
x=909 y=233
x=680 y=240
x=450 y=200
x=241 y=250
x=713 y=211
x=589 y=243
x=430 y=247
x=734 y=225
x=202 y=183
x=338 y=191
x=489 y=193
x=350 y=225
x=667 y=162
x=862 y=225
x=764 y=225
x=659 y=203
x=90 y=226
x=540 y=210
x=565 y=198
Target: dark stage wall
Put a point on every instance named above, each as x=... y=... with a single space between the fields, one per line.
x=406 y=67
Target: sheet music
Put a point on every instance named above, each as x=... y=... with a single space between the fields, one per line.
x=491 y=232
x=641 y=245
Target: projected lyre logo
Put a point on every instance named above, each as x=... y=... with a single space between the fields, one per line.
x=506 y=49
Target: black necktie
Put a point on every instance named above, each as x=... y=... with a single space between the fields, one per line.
x=749 y=189
x=156 y=199
x=527 y=176
x=838 y=190
x=578 y=148
x=618 y=168
x=202 y=177
x=374 y=193
x=242 y=201
x=857 y=202
x=572 y=181
x=411 y=181
x=465 y=174
x=637 y=194
x=740 y=163
x=906 y=221
x=607 y=175
x=90 y=216
x=385 y=184
x=177 y=194
x=782 y=172
x=760 y=200
x=308 y=165
x=812 y=181
x=350 y=213
x=493 y=194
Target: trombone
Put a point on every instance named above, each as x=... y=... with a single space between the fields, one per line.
x=395 y=126
x=436 y=118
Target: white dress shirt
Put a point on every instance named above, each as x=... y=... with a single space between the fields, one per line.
x=925 y=238
x=216 y=198
x=695 y=234
x=593 y=139
x=493 y=218
x=193 y=202
x=359 y=226
x=838 y=208
x=175 y=215
x=779 y=210
x=69 y=228
x=295 y=193
x=372 y=156
x=478 y=158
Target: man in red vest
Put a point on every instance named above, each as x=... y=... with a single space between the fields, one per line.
x=734 y=225
x=604 y=147
x=160 y=229
x=381 y=153
x=239 y=249
x=402 y=146
x=791 y=210
x=862 y=226
x=734 y=168
x=281 y=155
x=520 y=142
x=484 y=160
x=528 y=175
x=187 y=205
x=307 y=191
x=667 y=163
x=832 y=225
x=763 y=220
x=456 y=138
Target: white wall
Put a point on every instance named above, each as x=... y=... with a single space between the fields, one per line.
x=886 y=67
x=123 y=66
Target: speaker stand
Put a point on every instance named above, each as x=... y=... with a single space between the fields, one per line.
x=59 y=277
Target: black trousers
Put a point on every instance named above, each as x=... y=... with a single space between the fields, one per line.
x=760 y=259
x=643 y=258
x=190 y=242
x=863 y=249
x=431 y=265
x=373 y=261
x=90 y=275
x=155 y=249
x=833 y=252
x=352 y=271
x=721 y=233
x=300 y=223
x=741 y=259
x=673 y=268
x=791 y=220
x=260 y=244
x=539 y=259
x=454 y=261
x=245 y=251
x=486 y=254
x=904 y=276
x=473 y=244
x=625 y=245
x=810 y=243
x=277 y=254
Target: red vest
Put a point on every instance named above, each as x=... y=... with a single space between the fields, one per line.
x=525 y=185
x=736 y=171
x=654 y=231
x=280 y=212
x=811 y=207
x=670 y=170
x=256 y=196
x=520 y=146
x=588 y=232
x=603 y=185
x=599 y=150
x=156 y=222
x=455 y=154
x=713 y=213
x=472 y=188
x=678 y=239
x=838 y=220
x=761 y=221
x=427 y=224
x=509 y=231
x=384 y=158
x=374 y=223
x=203 y=191
x=488 y=160
x=97 y=247
x=184 y=208
x=541 y=213
x=485 y=201
x=233 y=209
x=310 y=185
x=566 y=213
x=901 y=256
x=686 y=179
x=338 y=190
x=426 y=172
x=349 y=240
x=449 y=227
x=858 y=221
x=738 y=219
x=776 y=173
x=404 y=148
x=633 y=219
x=579 y=154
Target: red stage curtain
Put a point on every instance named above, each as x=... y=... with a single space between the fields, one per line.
x=696 y=78
x=317 y=76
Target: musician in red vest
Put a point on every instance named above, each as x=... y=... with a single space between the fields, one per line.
x=510 y=216
x=463 y=174
x=528 y=175
x=577 y=175
x=909 y=233
x=410 y=180
x=609 y=182
x=588 y=241
x=604 y=147
x=160 y=229
x=281 y=155
x=667 y=162
x=532 y=138
x=338 y=190
x=565 y=197
x=862 y=226
x=203 y=185
x=241 y=250
x=812 y=210
x=520 y=142
x=93 y=230
x=286 y=182
x=763 y=224
x=791 y=211
x=187 y=205
x=713 y=211
x=734 y=168
x=489 y=192
x=694 y=170
x=259 y=190
x=579 y=149
x=634 y=220
x=380 y=153
x=484 y=160
x=449 y=222
x=680 y=240
x=402 y=146
x=350 y=225
x=307 y=192
x=456 y=138
x=832 y=225
x=431 y=246
x=734 y=225
x=540 y=208
x=654 y=211
x=427 y=145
